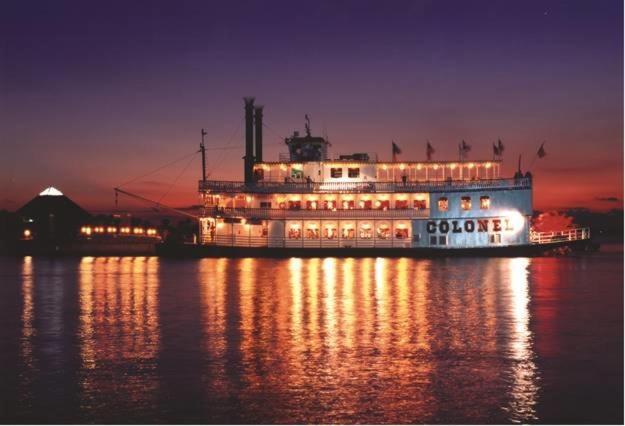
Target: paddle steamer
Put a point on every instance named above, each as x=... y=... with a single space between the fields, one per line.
x=309 y=202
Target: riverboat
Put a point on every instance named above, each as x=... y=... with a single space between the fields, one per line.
x=309 y=203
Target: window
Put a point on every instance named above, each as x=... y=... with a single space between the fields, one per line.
x=419 y=204
x=465 y=203
x=366 y=204
x=282 y=205
x=433 y=240
x=347 y=233
x=443 y=204
x=329 y=232
x=265 y=204
x=312 y=232
x=495 y=238
x=401 y=233
x=401 y=204
x=295 y=233
x=384 y=232
x=295 y=204
x=485 y=202
x=366 y=233
x=442 y=240
x=297 y=174
x=353 y=172
x=336 y=172
x=347 y=204
x=329 y=204
x=311 y=205
x=383 y=204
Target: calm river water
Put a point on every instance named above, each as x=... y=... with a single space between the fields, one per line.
x=471 y=340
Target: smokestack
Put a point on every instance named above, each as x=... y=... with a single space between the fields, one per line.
x=258 y=122
x=249 y=140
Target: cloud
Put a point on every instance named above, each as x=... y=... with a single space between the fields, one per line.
x=608 y=199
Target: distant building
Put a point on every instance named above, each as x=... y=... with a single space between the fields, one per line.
x=51 y=216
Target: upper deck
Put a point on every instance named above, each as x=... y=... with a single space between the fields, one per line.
x=330 y=171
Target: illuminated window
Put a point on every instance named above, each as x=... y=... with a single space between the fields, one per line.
x=401 y=233
x=366 y=204
x=347 y=233
x=442 y=240
x=465 y=203
x=329 y=232
x=401 y=204
x=311 y=205
x=353 y=172
x=329 y=204
x=419 y=204
x=485 y=202
x=366 y=233
x=495 y=238
x=443 y=204
x=312 y=232
x=336 y=172
x=383 y=232
x=295 y=204
x=347 y=204
x=383 y=204
x=295 y=233
x=282 y=205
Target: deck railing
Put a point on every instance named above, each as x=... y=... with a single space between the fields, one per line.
x=259 y=213
x=215 y=186
x=249 y=241
x=573 y=234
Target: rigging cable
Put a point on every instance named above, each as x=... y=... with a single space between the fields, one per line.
x=175 y=180
x=159 y=168
x=219 y=161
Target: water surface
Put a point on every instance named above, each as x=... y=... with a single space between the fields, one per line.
x=471 y=340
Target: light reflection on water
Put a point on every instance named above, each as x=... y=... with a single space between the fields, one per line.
x=281 y=341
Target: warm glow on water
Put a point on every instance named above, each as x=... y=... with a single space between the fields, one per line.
x=331 y=340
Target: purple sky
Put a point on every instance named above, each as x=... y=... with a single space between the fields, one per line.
x=94 y=94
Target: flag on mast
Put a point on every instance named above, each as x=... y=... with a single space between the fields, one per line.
x=464 y=149
x=498 y=148
x=429 y=150
x=541 y=151
x=396 y=151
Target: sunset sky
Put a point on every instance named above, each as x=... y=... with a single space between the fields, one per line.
x=95 y=94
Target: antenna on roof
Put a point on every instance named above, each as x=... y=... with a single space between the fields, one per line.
x=307 y=125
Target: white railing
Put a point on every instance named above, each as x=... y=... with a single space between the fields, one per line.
x=249 y=241
x=573 y=234
x=215 y=186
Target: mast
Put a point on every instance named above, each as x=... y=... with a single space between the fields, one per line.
x=203 y=151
